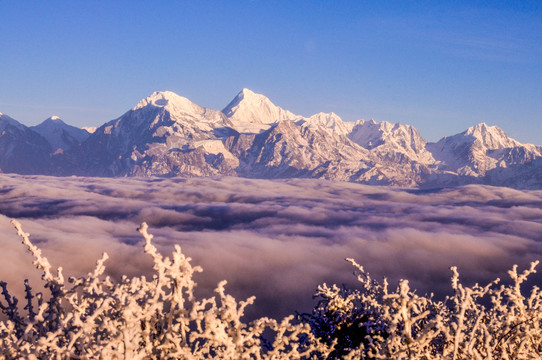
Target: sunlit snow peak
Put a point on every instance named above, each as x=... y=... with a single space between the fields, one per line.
x=165 y=99
x=492 y=137
x=250 y=107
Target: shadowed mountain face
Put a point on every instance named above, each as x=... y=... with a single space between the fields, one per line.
x=168 y=135
x=59 y=135
x=22 y=150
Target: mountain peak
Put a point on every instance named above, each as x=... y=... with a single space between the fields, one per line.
x=163 y=99
x=244 y=98
x=325 y=115
x=492 y=137
x=251 y=107
x=248 y=92
x=331 y=121
x=480 y=128
x=6 y=119
x=59 y=134
x=53 y=120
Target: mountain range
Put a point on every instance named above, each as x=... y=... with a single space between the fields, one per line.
x=168 y=135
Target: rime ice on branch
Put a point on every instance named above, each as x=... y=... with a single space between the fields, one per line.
x=94 y=317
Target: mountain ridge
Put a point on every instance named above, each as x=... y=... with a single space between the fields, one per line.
x=60 y=135
x=166 y=134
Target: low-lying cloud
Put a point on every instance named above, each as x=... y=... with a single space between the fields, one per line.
x=274 y=239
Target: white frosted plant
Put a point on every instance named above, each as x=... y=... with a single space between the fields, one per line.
x=372 y=322
x=94 y=317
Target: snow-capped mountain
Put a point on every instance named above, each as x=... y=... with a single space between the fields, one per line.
x=288 y=149
x=479 y=149
x=168 y=135
x=60 y=135
x=253 y=113
x=330 y=121
x=394 y=142
x=283 y=144
x=164 y=134
x=22 y=150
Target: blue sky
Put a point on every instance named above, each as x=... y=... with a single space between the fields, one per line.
x=440 y=66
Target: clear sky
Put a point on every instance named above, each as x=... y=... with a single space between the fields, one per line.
x=439 y=66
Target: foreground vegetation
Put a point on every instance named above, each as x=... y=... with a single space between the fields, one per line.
x=95 y=317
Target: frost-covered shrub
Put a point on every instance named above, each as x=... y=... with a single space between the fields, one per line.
x=372 y=322
x=93 y=317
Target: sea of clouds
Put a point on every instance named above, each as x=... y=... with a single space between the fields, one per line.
x=276 y=239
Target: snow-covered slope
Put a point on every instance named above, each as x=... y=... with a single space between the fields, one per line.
x=289 y=149
x=330 y=121
x=164 y=134
x=90 y=129
x=168 y=135
x=394 y=142
x=59 y=134
x=491 y=137
x=252 y=113
x=479 y=149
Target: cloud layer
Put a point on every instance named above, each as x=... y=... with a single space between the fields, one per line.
x=274 y=239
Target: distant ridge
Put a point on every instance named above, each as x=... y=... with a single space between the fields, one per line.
x=166 y=134
x=60 y=135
